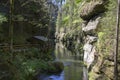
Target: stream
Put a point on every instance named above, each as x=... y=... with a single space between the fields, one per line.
x=73 y=65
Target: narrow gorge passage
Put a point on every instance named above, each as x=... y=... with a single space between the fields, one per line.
x=59 y=40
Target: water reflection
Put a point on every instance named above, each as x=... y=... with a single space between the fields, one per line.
x=63 y=54
x=73 y=69
x=73 y=63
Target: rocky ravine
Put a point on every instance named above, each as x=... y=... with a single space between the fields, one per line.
x=92 y=13
x=98 y=68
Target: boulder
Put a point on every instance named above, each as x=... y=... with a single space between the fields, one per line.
x=55 y=67
x=91 y=9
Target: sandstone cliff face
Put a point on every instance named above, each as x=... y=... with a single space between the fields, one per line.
x=98 y=58
x=90 y=13
x=97 y=65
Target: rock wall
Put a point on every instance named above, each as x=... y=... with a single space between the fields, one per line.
x=90 y=39
x=99 y=62
x=91 y=14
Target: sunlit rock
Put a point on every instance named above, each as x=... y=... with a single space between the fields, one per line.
x=61 y=36
x=89 y=51
x=92 y=25
x=87 y=47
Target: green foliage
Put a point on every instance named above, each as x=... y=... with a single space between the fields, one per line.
x=100 y=35
x=25 y=66
x=70 y=16
x=19 y=17
x=29 y=19
x=78 y=1
x=77 y=21
x=106 y=37
x=2 y=18
x=66 y=19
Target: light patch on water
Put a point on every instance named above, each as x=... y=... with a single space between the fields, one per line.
x=53 y=77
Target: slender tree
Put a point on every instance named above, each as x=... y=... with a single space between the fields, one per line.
x=59 y=24
x=71 y=9
x=116 y=45
x=11 y=25
x=50 y=17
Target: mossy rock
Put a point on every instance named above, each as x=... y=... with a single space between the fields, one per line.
x=55 y=67
x=92 y=9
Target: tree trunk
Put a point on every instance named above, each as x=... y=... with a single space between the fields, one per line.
x=116 y=45
x=11 y=25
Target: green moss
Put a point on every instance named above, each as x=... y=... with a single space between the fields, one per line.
x=106 y=37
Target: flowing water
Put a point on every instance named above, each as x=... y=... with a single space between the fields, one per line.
x=73 y=65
